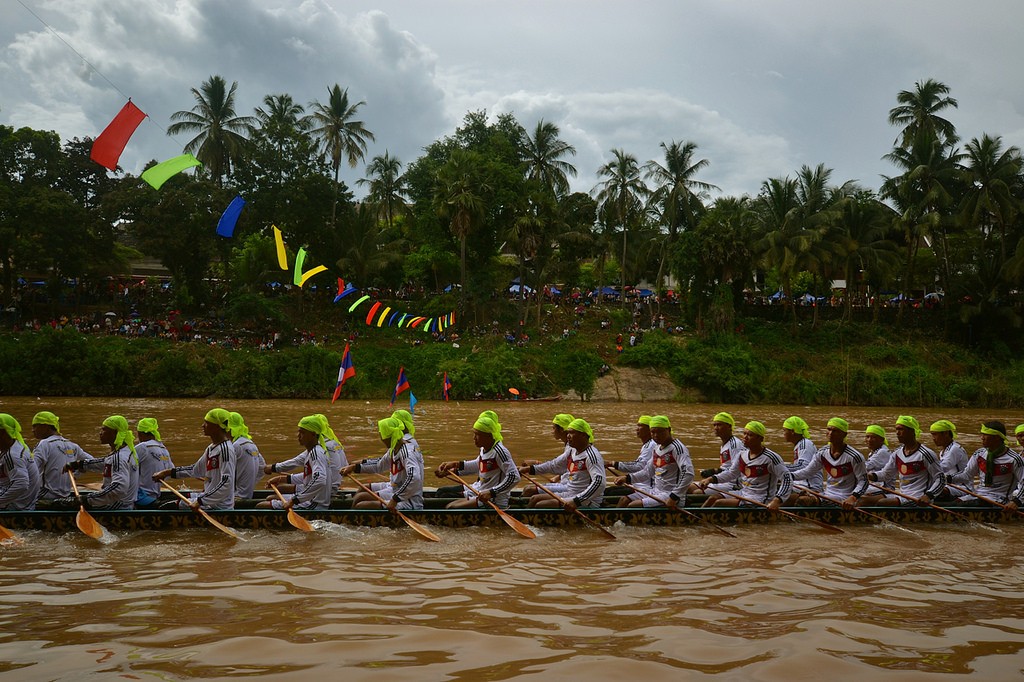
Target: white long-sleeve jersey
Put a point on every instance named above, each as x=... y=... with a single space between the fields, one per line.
x=120 y=480
x=496 y=471
x=804 y=452
x=761 y=477
x=586 y=482
x=51 y=455
x=16 y=488
x=669 y=472
x=641 y=462
x=405 y=470
x=153 y=457
x=249 y=465
x=953 y=460
x=1007 y=476
x=216 y=466
x=876 y=461
x=919 y=471
x=336 y=460
x=845 y=472
x=313 y=485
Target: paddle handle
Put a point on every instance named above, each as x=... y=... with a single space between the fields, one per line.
x=515 y=523
x=822 y=498
x=985 y=499
x=917 y=501
x=409 y=522
x=176 y=492
x=589 y=521
x=826 y=526
x=683 y=511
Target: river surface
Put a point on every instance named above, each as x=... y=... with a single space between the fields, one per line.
x=784 y=601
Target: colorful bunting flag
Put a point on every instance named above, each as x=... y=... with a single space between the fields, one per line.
x=300 y=278
x=162 y=172
x=228 y=219
x=107 y=148
x=345 y=372
x=401 y=385
x=282 y=255
x=446 y=387
x=412 y=403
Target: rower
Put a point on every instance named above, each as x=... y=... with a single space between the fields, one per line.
x=647 y=445
x=406 y=490
x=952 y=455
x=16 y=489
x=919 y=471
x=760 y=472
x=846 y=479
x=120 y=468
x=312 y=489
x=668 y=473
x=730 y=448
x=1000 y=470
x=797 y=433
x=51 y=453
x=494 y=465
x=249 y=462
x=216 y=466
x=336 y=459
x=878 y=452
x=558 y=430
x=585 y=466
x=153 y=457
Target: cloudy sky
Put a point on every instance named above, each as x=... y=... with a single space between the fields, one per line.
x=761 y=86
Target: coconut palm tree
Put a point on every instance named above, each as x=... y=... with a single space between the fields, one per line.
x=678 y=196
x=220 y=133
x=340 y=135
x=387 y=186
x=992 y=198
x=620 y=198
x=459 y=196
x=281 y=112
x=918 y=113
x=543 y=154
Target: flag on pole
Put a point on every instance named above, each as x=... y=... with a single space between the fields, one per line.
x=345 y=372
x=412 y=403
x=401 y=385
x=446 y=387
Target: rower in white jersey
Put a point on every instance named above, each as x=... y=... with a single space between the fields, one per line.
x=406 y=474
x=17 y=491
x=249 y=462
x=878 y=452
x=647 y=445
x=846 y=479
x=797 y=433
x=559 y=424
x=587 y=481
x=952 y=455
x=920 y=474
x=730 y=448
x=761 y=473
x=51 y=453
x=120 y=468
x=311 y=488
x=336 y=458
x=153 y=457
x=668 y=473
x=494 y=466
x=216 y=466
x=999 y=469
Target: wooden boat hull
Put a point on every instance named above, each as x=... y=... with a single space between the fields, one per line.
x=269 y=519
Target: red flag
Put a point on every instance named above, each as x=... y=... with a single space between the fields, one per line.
x=446 y=387
x=345 y=372
x=401 y=385
x=107 y=148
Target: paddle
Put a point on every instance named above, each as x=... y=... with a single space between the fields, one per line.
x=515 y=523
x=702 y=520
x=926 y=504
x=986 y=499
x=826 y=526
x=856 y=509
x=409 y=522
x=293 y=518
x=6 y=534
x=84 y=520
x=589 y=521
x=213 y=522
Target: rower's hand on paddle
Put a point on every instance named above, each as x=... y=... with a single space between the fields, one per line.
x=708 y=473
x=622 y=480
x=1011 y=506
x=393 y=505
x=349 y=470
x=161 y=475
x=444 y=467
x=775 y=504
x=73 y=465
x=268 y=469
x=704 y=483
x=485 y=496
x=570 y=505
x=850 y=502
x=278 y=480
x=924 y=500
x=670 y=503
x=525 y=469
x=194 y=504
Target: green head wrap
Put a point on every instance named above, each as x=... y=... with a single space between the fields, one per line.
x=756 y=427
x=391 y=430
x=910 y=423
x=660 y=422
x=236 y=426
x=327 y=431
x=876 y=430
x=563 y=420
x=13 y=428
x=218 y=416
x=124 y=434
x=149 y=425
x=989 y=431
x=488 y=425
x=645 y=420
x=725 y=418
x=993 y=428
x=839 y=423
x=492 y=415
x=314 y=424
x=797 y=426
x=1019 y=429
x=944 y=425
x=47 y=418
x=581 y=426
x=406 y=419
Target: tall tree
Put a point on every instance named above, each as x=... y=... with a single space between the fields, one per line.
x=544 y=156
x=992 y=199
x=621 y=197
x=459 y=197
x=387 y=186
x=220 y=133
x=340 y=135
x=678 y=196
x=918 y=112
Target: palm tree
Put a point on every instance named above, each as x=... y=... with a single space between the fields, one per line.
x=918 y=113
x=992 y=196
x=281 y=112
x=220 y=137
x=459 y=196
x=543 y=155
x=678 y=196
x=620 y=198
x=863 y=233
x=387 y=186
x=340 y=135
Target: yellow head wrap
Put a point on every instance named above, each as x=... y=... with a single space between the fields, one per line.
x=725 y=418
x=327 y=431
x=488 y=425
x=391 y=430
x=798 y=426
x=124 y=434
x=218 y=416
x=756 y=427
x=1019 y=429
x=492 y=415
x=236 y=426
x=581 y=426
x=660 y=422
x=406 y=419
x=910 y=423
x=314 y=424
x=13 y=428
x=988 y=431
x=645 y=420
x=876 y=430
x=47 y=418
x=943 y=425
x=562 y=420
x=149 y=425
x=839 y=423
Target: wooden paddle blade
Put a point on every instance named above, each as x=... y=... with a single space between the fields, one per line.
x=418 y=528
x=87 y=524
x=6 y=534
x=822 y=524
x=299 y=522
x=516 y=525
x=220 y=526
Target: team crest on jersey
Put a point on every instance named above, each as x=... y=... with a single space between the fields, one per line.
x=213 y=462
x=577 y=465
x=487 y=465
x=837 y=470
x=755 y=471
x=106 y=470
x=1001 y=468
x=397 y=466
x=906 y=468
x=662 y=460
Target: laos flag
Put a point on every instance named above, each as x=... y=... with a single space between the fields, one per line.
x=345 y=372
x=401 y=385
x=446 y=387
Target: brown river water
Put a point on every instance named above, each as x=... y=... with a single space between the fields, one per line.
x=783 y=601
